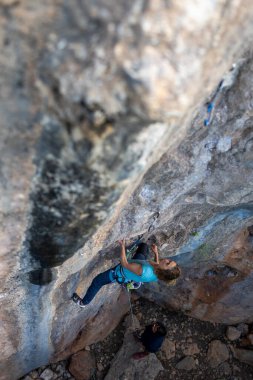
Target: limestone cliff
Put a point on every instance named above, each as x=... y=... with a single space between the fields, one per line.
x=102 y=108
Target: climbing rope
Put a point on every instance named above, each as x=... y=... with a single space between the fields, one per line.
x=131 y=309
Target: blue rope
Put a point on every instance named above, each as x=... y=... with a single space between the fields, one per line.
x=210 y=107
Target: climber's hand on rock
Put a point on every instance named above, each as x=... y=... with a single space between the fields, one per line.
x=122 y=242
x=154 y=248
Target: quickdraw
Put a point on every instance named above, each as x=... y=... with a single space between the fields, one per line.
x=211 y=105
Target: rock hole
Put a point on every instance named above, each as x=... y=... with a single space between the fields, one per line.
x=41 y=276
x=222 y=271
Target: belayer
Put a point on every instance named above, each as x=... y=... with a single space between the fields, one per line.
x=138 y=269
x=152 y=339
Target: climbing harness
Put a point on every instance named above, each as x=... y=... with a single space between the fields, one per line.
x=132 y=285
x=127 y=284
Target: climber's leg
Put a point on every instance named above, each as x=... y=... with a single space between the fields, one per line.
x=97 y=283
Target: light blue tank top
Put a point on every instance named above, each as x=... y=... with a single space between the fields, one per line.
x=148 y=274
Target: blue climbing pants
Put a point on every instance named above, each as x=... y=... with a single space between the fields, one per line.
x=97 y=283
x=106 y=277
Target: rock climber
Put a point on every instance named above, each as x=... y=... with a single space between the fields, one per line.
x=138 y=269
x=152 y=339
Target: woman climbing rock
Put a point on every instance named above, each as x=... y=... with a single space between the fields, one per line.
x=138 y=269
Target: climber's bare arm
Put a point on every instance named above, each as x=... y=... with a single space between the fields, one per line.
x=156 y=253
x=133 y=267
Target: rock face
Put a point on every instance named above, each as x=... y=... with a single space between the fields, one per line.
x=169 y=348
x=245 y=356
x=47 y=374
x=188 y=363
x=101 y=127
x=233 y=333
x=190 y=349
x=217 y=353
x=209 y=228
x=82 y=365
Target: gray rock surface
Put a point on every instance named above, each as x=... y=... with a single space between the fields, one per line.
x=47 y=374
x=225 y=368
x=98 y=133
x=190 y=349
x=188 y=363
x=205 y=221
x=169 y=348
x=82 y=365
x=233 y=333
x=250 y=337
x=56 y=371
x=243 y=328
x=245 y=356
x=217 y=353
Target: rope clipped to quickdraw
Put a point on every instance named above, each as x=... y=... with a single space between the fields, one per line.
x=211 y=105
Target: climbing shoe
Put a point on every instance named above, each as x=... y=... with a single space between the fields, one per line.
x=137 y=335
x=78 y=300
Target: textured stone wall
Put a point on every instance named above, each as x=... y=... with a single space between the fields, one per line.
x=205 y=201
x=101 y=127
